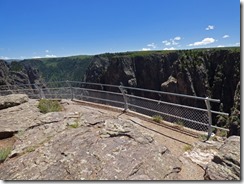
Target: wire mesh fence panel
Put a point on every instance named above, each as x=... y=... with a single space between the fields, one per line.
x=58 y=84
x=32 y=93
x=191 y=118
x=95 y=96
x=57 y=93
x=143 y=101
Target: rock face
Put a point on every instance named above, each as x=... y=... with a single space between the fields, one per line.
x=203 y=152
x=80 y=144
x=4 y=70
x=12 y=100
x=219 y=159
x=212 y=73
x=18 y=74
x=234 y=125
x=226 y=163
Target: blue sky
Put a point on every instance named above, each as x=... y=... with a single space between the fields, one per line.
x=54 y=28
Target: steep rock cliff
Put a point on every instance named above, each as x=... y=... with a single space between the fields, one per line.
x=16 y=73
x=235 y=118
x=205 y=72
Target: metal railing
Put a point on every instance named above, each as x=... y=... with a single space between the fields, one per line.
x=134 y=99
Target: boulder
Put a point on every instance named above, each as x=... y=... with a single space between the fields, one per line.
x=12 y=100
x=203 y=152
x=226 y=163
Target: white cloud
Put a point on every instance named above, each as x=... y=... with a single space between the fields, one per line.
x=3 y=57
x=50 y=55
x=152 y=45
x=171 y=48
x=237 y=44
x=177 y=38
x=210 y=27
x=146 y=49
x=220 y=46
x=168 y=43
x=226 y=36
x=47 y=51
x=36 y=57
x=205 y=41
x=172 y=41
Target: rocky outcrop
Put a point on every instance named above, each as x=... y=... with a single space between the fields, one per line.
x=4 y=73
x=12 y=100
x=203 y=152
x=234 y=124
x=6 y=130
x=226 y=163
x=82 y=144
x=86 y=143
x=18 y=73
x=220 y=159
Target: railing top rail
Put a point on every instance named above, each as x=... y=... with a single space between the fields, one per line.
x=173 y=94
x=132 y=88
x=153 y=91
x=96 y=84
x=18 y=85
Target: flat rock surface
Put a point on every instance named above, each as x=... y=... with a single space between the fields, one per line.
x=20 y=117
x=87 y=143
x=12 y=100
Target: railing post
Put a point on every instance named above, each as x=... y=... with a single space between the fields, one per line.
x=209 y=117
x=71 y=89
x=125 y=97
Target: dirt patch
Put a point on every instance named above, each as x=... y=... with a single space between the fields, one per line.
x=8 y=142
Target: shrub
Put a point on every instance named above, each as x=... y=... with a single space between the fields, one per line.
x=74 y=125
x=4 y=152
x=46 y=106
x=202 y=137
x=214 y=138
x=179 y=124
x=30 y=149
x=157 y=118
x=187 y=147
x=221 y=133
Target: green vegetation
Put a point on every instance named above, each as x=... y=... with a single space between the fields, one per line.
x=157 y=118
x=202 y=137
x=188 y=147
x=180 y=124
x=46 y=106
x=60 y=69
x=4 y=152
x=30 y=149
x=214 y=138
x=16 y=66
x=74 y=125
x=221 y=133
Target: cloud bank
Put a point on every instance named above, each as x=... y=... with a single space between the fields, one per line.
x=205 y=41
